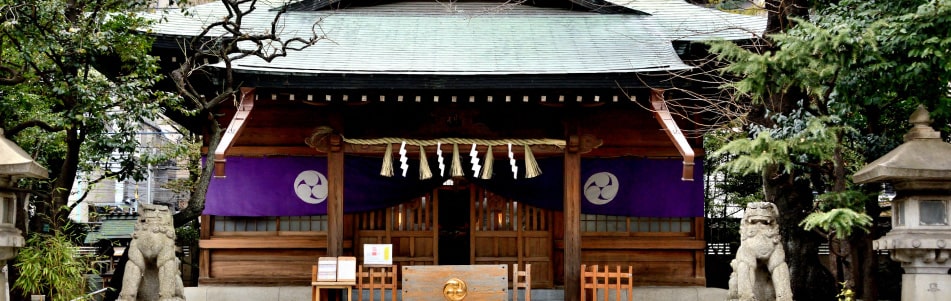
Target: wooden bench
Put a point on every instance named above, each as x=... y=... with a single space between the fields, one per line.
x=475 y=282
x=377 y=278
x=522 y=279
x=595 y=280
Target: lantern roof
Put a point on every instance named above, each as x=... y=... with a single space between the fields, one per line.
x=923 y=156
x=16 y=162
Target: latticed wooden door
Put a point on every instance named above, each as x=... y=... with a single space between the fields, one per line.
x=505 y=231
x=408 y=226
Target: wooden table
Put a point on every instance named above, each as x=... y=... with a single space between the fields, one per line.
x=317 y=285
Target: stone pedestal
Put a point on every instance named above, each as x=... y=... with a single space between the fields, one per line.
x=926 y=287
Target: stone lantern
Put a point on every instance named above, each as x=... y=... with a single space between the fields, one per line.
x=14 y=164
x=920 y=171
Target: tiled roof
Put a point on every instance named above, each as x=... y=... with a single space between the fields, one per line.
x=113 y=228
x=469 y=38
x=687 y=22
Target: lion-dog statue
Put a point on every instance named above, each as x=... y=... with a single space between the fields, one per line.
x=152 y=271
x=760 y=272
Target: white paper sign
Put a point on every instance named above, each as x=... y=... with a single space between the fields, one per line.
x=378 y=254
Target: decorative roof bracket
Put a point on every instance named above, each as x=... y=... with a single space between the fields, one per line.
x=673 y=131
x=234 y=130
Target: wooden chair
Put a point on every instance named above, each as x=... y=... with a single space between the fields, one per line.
x=522 y=279
x=377 y=278
x=594 y=280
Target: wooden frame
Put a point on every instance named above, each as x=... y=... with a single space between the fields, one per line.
x=380 y=279
x=522 y=279
x=596 y=279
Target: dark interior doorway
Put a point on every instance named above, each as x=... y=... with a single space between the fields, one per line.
x=454 y=226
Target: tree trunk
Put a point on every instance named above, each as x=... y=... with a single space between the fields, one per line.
x=50 y=212
x=196 y=202
x=793 y=197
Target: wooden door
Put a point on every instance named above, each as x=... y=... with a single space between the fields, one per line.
x=505 y=231
x=408 y=226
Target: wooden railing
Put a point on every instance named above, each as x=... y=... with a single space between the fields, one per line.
x=604 y=281
x=380 y=279
x=522 y=279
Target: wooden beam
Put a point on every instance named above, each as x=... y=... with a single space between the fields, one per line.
x=234 y=130
x=335 y=199
x=572 y=216
x=666 y=120
x=307 y=242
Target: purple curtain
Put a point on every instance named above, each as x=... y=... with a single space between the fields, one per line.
x=294 y=186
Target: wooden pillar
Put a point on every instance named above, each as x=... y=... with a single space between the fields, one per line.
x=572 y=216
x=204 y=255
x=335 y=197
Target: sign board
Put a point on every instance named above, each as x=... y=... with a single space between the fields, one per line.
x=327 y=269
x=378 y=254
x=346 y=268
x=456 y=282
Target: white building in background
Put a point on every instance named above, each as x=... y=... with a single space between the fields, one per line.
x=115 y=195
x=174 y=3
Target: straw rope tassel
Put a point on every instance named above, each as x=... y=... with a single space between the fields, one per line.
x=487 y=165
x=387 y=170
x=531 y=167
x=424 y=172
x=456 y=169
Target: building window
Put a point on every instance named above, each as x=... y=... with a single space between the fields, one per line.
x=270 y=223
x=611 y=223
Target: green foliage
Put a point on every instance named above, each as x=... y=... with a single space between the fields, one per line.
x=812 y=140
x=48 y=266
x=851 y=199
x=840 y=221
x=862 y=67
x=77 y=82
x=846 y=293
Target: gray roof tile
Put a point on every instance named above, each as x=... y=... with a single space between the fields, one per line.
x=479 y=38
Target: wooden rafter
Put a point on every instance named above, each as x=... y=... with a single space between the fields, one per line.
x=234 y=130
x=666 y=120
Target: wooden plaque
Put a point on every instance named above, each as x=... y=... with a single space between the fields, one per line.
x=483 y=282
x=347 y=268
x=327 y=269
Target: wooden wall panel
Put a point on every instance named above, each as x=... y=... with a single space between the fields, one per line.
x=261 y=266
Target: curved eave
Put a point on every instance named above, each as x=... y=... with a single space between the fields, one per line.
x=689 y=22
x=16 y=162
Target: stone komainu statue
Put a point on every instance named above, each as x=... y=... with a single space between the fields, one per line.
x=759 y=269
x=151 y=273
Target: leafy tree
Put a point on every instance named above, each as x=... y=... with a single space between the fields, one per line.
x=826 y=95
x=205 y=86
x=75 y=83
